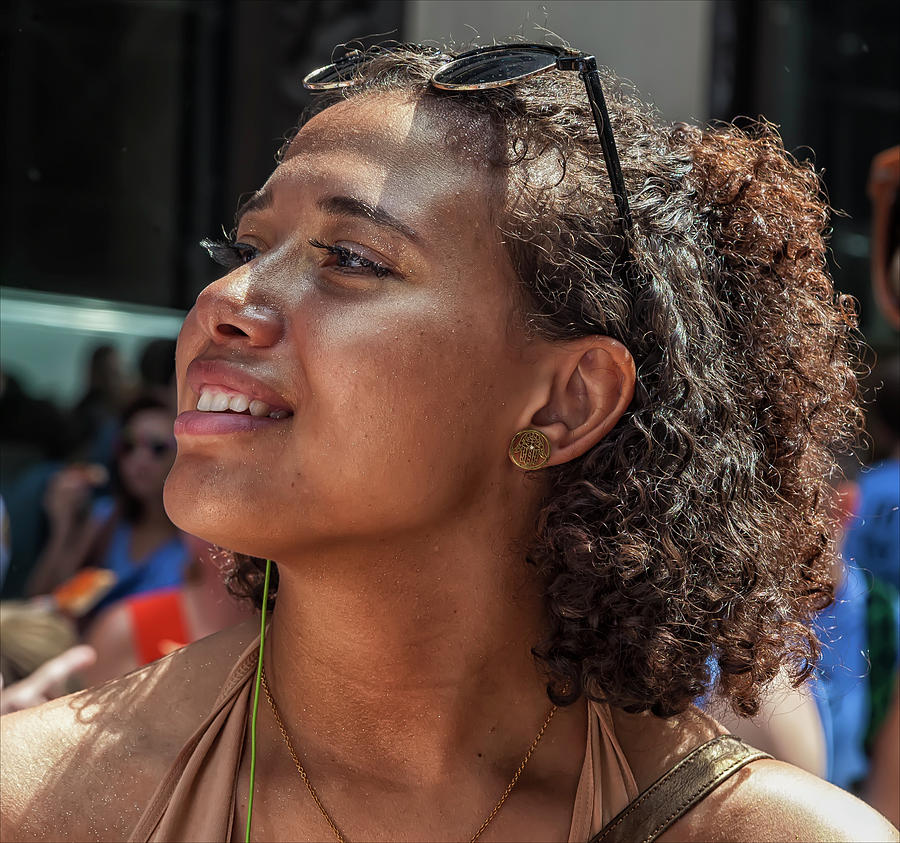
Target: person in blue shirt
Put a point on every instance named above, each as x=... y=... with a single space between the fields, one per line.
x=127 y=533
x=872 y=540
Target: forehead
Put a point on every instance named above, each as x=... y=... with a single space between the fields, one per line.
x=431 y=130
x=411 y=151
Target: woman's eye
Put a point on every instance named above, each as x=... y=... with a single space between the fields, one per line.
x=348 y=259
x=228 y=254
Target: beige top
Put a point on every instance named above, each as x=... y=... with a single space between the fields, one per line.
x=195 y=800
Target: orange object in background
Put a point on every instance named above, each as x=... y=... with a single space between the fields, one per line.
x=158 y=624
x=883 y=190
x=78 y=595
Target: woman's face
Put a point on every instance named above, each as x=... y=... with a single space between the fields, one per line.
x=375 y=316
x=146 y=453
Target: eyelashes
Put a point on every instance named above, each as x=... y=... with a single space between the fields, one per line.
x=349 y=259
x=231 y=255
x=228 y=253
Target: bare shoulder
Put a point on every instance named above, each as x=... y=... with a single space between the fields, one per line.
x=84 y=766
x=765 y=801
x=772 y=801
x=654 y=745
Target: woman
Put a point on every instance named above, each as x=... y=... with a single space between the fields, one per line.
x=425 y=275
x=129 y=534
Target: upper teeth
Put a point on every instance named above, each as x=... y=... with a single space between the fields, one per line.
x=213 y=401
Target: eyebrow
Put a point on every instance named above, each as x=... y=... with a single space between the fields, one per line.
x=259 y=201
x=349 y=206
x=341 y=206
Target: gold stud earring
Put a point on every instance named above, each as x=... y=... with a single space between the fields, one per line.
x=529 y=450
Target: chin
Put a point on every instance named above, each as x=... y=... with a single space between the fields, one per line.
x=203 y=507
x=208 y=506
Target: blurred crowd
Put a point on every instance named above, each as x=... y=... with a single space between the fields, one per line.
x=96 y=581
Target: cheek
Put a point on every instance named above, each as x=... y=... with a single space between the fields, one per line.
x=399 y=400
x=405 y=363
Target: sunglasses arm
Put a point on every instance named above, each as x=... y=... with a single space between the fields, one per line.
x=587 y=69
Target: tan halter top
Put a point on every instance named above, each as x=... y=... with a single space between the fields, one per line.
x=195 y=801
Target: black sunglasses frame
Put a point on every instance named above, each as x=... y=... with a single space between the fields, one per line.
x=340 y=74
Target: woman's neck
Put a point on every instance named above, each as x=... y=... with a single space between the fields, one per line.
x=413 y=655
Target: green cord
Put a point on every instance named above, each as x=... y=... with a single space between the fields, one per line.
x=259 y=666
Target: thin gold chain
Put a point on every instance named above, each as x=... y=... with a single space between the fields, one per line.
x=290 y=746
x=331 y=823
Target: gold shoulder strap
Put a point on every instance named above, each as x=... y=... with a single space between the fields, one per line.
x=678 y=790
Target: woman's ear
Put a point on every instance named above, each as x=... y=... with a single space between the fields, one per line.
x=593 y=384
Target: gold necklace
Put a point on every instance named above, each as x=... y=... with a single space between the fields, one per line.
x=331 y=823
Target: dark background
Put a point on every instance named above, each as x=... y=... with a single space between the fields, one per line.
x=133 y=127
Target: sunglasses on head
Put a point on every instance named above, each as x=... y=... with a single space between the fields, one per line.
x=494 y=67
x=158 y=448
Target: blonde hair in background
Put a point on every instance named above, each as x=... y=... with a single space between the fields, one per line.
x=31 y=634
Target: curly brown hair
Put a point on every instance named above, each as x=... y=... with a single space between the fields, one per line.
x=700 y=528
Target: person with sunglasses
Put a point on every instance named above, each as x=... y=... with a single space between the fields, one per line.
x=514 y=405
x=128 y=533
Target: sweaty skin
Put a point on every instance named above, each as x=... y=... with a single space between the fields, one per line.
x=400 y=647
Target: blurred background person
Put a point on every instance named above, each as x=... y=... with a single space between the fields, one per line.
x=86 y=439
x=31 y=429
x=95 y=418
x=146 y=626
x=882 y=789
x=30 y=635
x=51 y=680
x=872 y=538
x=128 y=533
x=36 y=438
x=884 y=181
x=157 y=371
x=76 y=518
x=857 y=684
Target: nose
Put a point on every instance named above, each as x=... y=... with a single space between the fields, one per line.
x=229 y=315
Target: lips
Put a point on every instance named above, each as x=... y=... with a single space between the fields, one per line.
x=198 y=423
x=229 y=399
